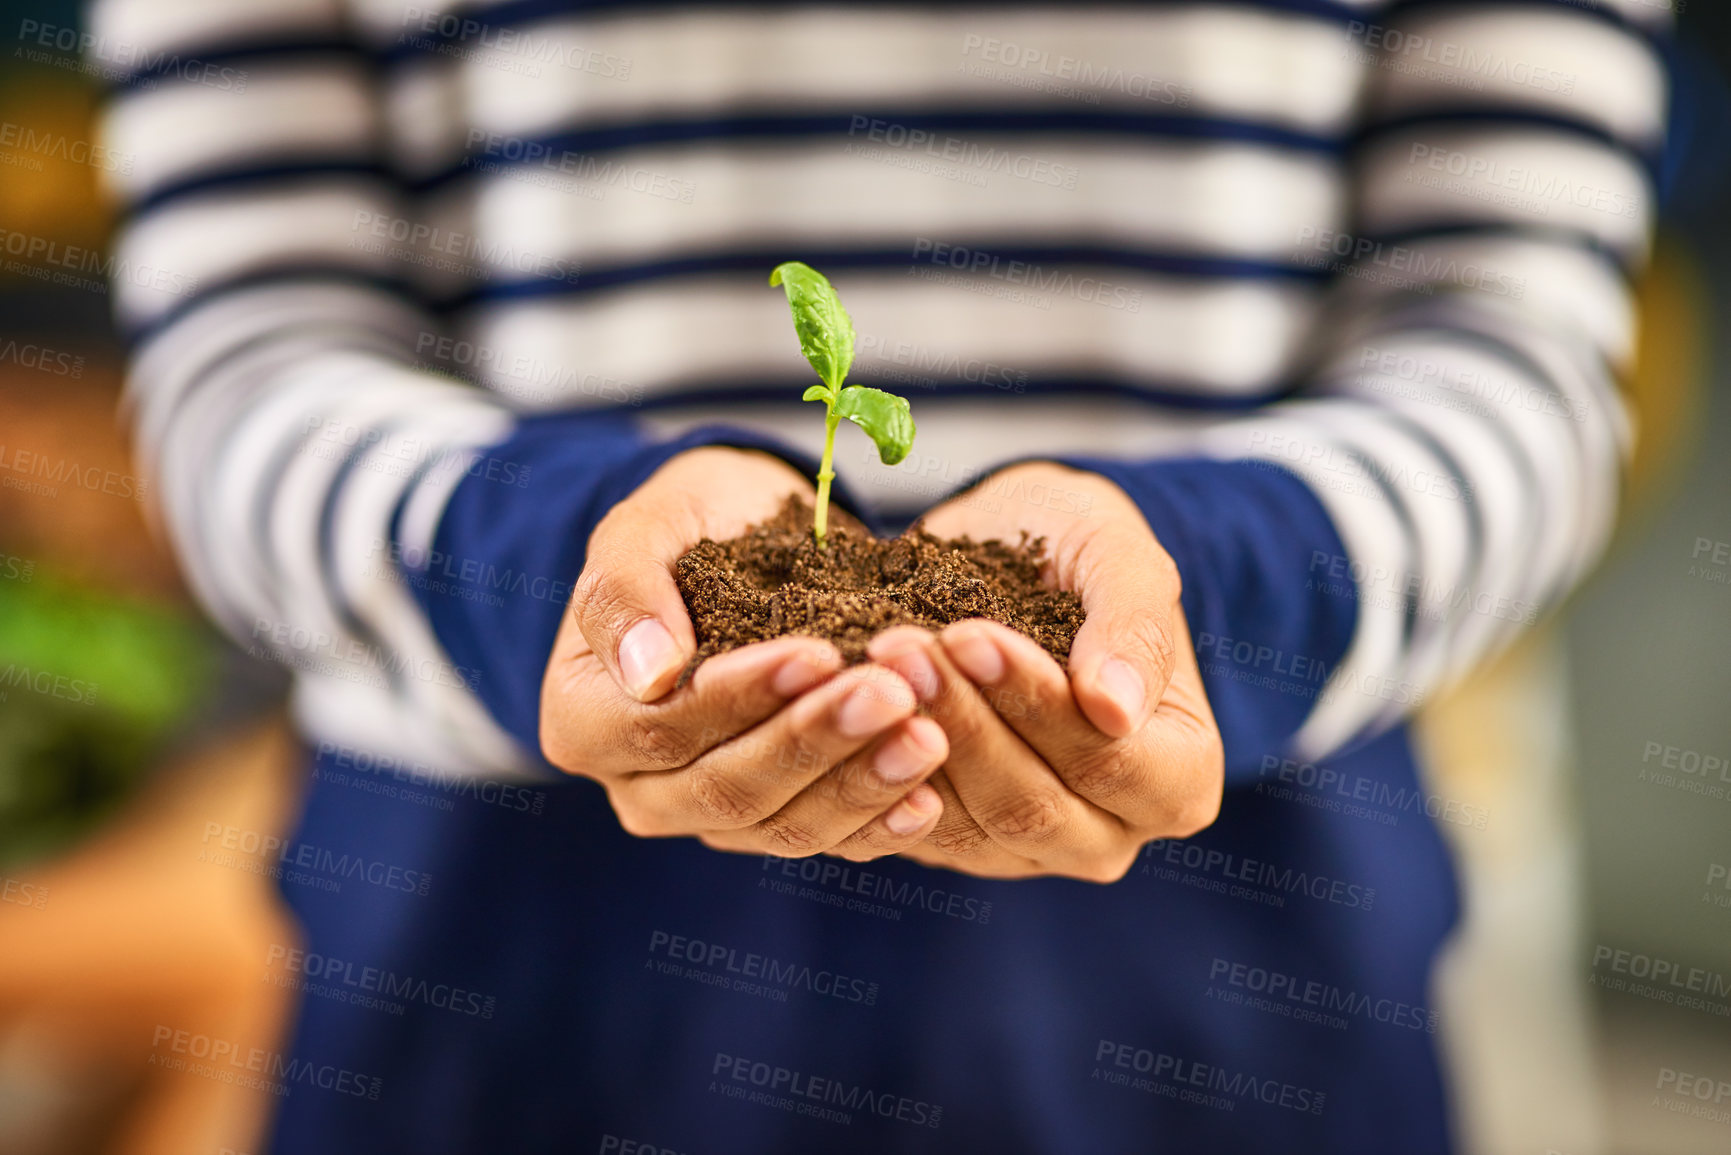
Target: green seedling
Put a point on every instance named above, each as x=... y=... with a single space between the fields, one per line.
x=826 y=338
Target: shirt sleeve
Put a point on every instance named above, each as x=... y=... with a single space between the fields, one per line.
x=272 y=274
x=1459 y=419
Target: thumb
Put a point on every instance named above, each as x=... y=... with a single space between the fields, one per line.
x=1124 y=654
x=626 y=603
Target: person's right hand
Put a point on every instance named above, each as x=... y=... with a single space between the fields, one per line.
x=767 y=749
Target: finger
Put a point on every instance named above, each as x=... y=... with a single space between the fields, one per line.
x=1124 y=654
x=1166 y=778
x=1030 y=693
x=729 y=694
x=626 y=602
x=743 y=781
x=861 y=798
x=1008 y=790
x=902 y=827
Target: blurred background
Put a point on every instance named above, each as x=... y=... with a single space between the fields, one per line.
x=139 y=749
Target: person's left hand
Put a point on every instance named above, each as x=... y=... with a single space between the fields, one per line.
x=1049 y=775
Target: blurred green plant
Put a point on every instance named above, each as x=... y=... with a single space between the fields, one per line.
x=90 y=687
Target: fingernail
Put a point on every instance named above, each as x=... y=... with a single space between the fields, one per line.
x=1123 y=687
x=904 y=651
x=900 y=760
x=647 y=653
x=913 y=812
x=868 y=709
x=916 y=666
x=978 y=657
x=802 y=671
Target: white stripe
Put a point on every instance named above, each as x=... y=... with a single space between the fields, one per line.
x=1203 y=59
x=1219 y=199
x=191 y=243
x=286 y=114
x=1373 y=537
x=1512 y=175
x=1547 y=60
x=127 y=27
x=1202 y=337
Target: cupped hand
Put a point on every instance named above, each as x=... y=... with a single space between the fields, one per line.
x=769 y=748
x=1054 y=774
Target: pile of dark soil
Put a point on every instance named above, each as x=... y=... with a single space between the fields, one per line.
x=773 y=580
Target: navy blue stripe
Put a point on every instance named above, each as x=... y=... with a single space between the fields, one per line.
x=1470 y=569
x=1647 y=159
x=189 y=66
x=1508 y=230
x=311 y=273
x=514 y=13
x=756 y=390
x=751 y=264
x=252 y=175
x=551 y=151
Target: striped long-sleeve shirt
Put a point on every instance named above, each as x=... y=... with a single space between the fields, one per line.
x=1337 y=290
x=1385 y=248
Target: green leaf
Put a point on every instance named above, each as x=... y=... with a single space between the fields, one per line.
x=824 y=328
x=885 y=418
x=816 y=393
